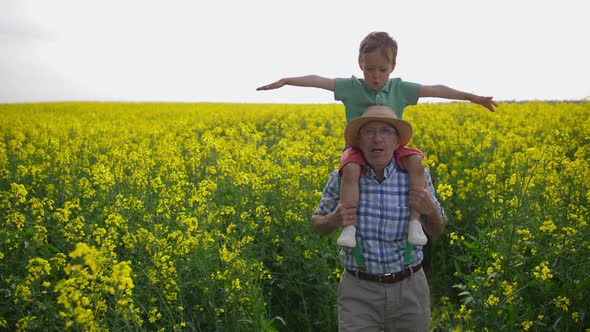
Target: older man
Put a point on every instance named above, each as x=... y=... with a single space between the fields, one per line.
x=384 y=285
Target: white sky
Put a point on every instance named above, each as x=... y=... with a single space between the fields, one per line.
x=220 y=51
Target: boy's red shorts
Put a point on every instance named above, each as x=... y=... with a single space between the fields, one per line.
x=404 y=151
x=352 y=155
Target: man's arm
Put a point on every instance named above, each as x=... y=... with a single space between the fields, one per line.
x=313 y=81
x=442 y=91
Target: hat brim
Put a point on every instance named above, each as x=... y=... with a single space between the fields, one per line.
x=351 y=133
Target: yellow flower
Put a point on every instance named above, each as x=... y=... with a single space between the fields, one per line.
x=525 y=234
x=444 y=191
x=454 y=237
x=508 y=289
x=576 y=316
x=22 y=293
x=526 y=325
x=458 y=215
x=18 y=193
x=543 y=271
x=562 y=302
x=154 y=315
x=226 y=255
x=38 y=267
x=236 y=284
x=548 y=226
x=492 y=300
x=490 y=270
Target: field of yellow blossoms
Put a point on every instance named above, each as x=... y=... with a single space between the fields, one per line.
x=195 y=217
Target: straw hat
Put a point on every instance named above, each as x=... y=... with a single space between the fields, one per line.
x=377 y=113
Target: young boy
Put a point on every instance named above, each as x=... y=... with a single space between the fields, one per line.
x=377 y=60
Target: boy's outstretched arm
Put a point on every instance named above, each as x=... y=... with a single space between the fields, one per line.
x=313 y=81
x=442 y=91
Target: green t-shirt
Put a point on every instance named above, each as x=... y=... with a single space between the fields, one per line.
x=357 y=96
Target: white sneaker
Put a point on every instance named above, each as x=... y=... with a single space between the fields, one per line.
x=416 y=235
x=347 y=237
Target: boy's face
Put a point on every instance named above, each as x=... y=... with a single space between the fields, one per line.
x=376 y=69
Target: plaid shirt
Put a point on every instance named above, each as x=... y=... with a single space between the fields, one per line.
x=382 y=219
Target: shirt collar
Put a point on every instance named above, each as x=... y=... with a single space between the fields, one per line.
x=390 y=169
x=385 y=88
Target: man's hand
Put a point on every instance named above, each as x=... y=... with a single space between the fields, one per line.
x=344 y=215
x=421 y=200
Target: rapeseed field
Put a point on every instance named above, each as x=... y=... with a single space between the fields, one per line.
x=195 y=217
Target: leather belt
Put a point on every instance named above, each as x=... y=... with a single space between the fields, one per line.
x=386 y=278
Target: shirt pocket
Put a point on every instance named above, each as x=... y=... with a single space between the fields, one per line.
x=381 y=222
x=394 y=228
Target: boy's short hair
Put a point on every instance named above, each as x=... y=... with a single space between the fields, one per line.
x=379 y=41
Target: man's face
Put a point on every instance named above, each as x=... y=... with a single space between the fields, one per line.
x=378 y=141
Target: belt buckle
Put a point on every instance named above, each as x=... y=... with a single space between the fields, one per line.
x=384 y=276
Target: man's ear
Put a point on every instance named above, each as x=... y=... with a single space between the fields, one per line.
x=360 y=63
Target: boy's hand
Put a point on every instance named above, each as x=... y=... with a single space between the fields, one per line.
x=486 y=102
x=278 y=84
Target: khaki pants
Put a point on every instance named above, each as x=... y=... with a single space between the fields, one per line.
x=371 y=306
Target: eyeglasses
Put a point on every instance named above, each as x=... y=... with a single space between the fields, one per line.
x=383 y=132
